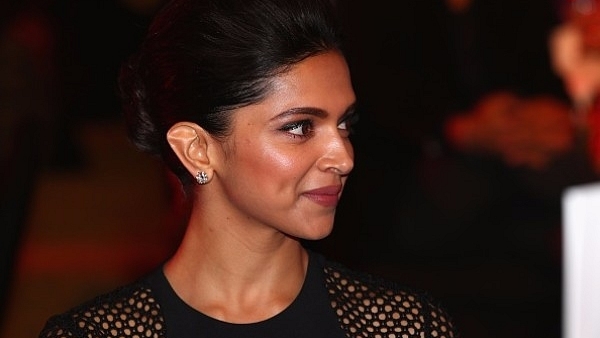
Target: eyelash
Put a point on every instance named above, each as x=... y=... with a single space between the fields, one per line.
x=349 y=122
x=299 y=124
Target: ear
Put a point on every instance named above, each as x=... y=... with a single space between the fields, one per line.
x=190 y=143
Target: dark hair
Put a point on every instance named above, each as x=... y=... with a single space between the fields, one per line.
x=203 y=58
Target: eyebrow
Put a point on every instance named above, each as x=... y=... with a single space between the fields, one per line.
x=317 y=112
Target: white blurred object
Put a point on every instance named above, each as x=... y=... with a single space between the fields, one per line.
x=581 y=259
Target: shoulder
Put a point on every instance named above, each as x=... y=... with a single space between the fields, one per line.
x=129 y=311
x=369 y=304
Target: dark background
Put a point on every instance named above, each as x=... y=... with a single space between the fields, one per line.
x=481 y=237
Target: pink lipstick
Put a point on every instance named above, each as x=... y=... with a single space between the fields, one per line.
x=326 y=196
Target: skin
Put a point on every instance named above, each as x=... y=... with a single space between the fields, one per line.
x=240 y=260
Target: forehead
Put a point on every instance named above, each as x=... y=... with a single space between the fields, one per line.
x=321 y=81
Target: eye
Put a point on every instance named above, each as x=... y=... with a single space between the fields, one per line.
x=344 y=125
x=300 y=128
x=348 y=122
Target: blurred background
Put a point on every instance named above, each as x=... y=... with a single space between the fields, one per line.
x=469 y=133
x=81 y=210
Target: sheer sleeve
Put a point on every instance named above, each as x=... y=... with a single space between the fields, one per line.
x=128 y=312
x=368 y=306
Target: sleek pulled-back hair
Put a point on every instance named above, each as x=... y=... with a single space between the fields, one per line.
x=201 y=59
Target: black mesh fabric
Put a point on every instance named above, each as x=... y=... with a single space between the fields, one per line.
x=130 y=312
x=366 y=306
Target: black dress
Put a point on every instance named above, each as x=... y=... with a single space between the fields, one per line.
x=334 y=302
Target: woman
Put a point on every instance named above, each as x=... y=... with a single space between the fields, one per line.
x=250 y=103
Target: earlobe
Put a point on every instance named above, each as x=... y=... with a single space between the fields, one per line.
x=188 y=141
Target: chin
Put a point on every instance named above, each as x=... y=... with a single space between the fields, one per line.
x=317 y=233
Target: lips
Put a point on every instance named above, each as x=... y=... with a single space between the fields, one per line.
x=325 y=196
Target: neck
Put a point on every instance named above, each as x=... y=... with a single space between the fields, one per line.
x=237 y=277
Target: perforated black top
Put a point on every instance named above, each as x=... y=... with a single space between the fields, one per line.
x=334 y=302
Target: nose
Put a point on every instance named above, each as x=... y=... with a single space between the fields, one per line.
x=338 y=156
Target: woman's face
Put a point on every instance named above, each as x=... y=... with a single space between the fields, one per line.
x=288 y=158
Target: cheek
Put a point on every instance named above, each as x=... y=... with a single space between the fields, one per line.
x=266 y=164
x=280 y=163
x=279 y=158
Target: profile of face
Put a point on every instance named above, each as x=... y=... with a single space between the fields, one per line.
x=285 y=164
